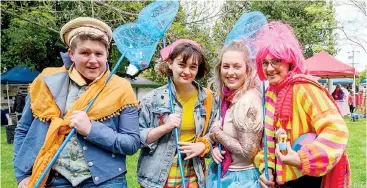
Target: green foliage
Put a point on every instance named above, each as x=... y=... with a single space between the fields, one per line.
x=195 y=32
x=362 y=76
x=152 y=75
x=312 y=21
x=223 y=26
x=27 y=44
x=30 y=28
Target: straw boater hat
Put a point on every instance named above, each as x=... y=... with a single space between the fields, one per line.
x=85 y=25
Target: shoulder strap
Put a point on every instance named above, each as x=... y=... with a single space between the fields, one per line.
x=208 y=103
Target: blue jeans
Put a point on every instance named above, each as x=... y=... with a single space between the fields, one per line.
x=61 y=182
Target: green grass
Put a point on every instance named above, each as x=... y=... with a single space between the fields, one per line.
x=7 y=177
x=6 y=152
x=356 y=149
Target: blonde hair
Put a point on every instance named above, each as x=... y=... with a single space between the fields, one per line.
x=84 y=37
x=252 y=81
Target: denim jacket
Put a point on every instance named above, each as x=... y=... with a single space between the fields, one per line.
x=155 y=159
x=104 y=149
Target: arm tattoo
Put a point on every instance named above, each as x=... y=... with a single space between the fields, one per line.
x=247 y=144
x=249 y=131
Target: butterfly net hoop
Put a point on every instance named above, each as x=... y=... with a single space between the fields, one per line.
x=246 y=29
x=139 y=40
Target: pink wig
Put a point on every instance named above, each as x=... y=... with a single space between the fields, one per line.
x=277 y=40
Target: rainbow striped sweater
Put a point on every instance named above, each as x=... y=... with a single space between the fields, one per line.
x=313 y=112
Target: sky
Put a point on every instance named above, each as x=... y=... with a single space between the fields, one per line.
x=350 y=19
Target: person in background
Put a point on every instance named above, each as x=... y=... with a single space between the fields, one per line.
x=345 y=91
x=338 y=93
x=351 y=99
x=19 y=102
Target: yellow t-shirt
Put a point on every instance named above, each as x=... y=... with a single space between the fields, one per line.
x=188 y=101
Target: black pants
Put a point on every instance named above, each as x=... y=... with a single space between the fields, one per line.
x=303 y=182
x=351 y=108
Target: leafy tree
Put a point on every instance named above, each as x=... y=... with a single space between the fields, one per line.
x=30 y=29
x=187 y=26
x=362 y=76
x=26 y=43
x=312 y=21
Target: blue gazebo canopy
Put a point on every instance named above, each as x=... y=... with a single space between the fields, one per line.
x=338 y=81
x=18 y=75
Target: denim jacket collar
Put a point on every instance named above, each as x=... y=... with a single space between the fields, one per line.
x=201 y=96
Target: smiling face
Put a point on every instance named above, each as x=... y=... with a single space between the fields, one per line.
x=90 y=58
x=274 y=70
x=183 y=72
x=233 y=70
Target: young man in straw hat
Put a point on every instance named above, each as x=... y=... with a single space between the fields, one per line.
x=95 y=155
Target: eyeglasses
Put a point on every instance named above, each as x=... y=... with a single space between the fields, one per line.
x=275 y=63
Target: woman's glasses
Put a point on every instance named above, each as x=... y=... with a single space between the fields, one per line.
x=275 y=63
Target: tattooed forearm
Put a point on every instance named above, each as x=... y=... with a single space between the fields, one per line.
x=246 y=119
x=247 y=145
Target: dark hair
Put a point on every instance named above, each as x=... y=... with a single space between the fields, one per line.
x=84 y=37
x=186 y=50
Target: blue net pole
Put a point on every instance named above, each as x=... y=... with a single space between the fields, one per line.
x=265 y=139
x=219 y=170
x=72 y=132
x=176 y=136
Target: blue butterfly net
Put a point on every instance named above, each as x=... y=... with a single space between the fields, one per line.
x=246 y=28
x=157 y=17
x=139 y=40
